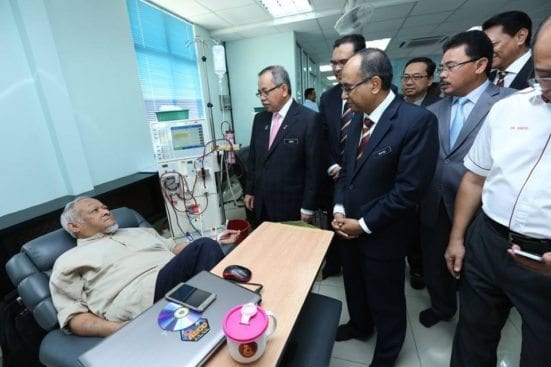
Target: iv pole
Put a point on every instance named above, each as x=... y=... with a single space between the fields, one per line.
x=211 y=118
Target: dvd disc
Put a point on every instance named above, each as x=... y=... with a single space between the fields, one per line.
x=174 y=317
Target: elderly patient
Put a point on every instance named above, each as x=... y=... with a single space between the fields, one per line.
x=112 y=275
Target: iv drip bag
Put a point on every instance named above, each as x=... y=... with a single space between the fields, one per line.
x=219 y=60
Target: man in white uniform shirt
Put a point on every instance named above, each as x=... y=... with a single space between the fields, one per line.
x=508 y=173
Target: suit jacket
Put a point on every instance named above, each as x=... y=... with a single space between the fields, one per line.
x=429 y=99
x=521 y=80
x=331 y=114
x=387 y=183
x=330 y=119
x=450 y=168
x=284 y=178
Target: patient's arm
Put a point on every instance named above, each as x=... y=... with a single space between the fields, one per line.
x=88 y=324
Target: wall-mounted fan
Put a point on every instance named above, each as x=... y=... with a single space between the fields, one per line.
x=355 y=17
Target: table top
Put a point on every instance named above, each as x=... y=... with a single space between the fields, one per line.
x=285 y=259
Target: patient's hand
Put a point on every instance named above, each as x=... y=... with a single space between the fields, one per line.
x=229 y=236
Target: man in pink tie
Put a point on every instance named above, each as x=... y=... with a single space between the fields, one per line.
x=284 y=164
x=504 y=201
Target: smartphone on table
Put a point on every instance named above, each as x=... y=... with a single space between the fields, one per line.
x=191 y=297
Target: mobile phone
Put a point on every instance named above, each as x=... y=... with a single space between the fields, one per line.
x=191 y=297
x=528 y=255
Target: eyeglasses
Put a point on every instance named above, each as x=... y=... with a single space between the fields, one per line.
x=335 y=63
x=416 y=77
x=264 y=93
x=452 y=66
x=350 y=88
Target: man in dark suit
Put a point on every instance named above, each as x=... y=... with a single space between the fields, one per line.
x=464 y=74
x=389 y=160
x=510 y=33
x=284 y=156
x=335 y=118
x=416 y=80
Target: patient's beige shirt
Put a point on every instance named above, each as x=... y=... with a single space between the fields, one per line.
x=112 y=276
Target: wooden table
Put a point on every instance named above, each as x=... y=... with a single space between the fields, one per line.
x=286 y=260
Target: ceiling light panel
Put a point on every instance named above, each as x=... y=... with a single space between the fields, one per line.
x=283 y=8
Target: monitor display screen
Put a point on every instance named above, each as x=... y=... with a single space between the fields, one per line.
x=187 y=137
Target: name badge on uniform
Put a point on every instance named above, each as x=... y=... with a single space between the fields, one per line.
x=290 y=141
x=383 y=152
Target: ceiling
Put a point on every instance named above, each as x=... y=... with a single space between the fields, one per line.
x=402 y=20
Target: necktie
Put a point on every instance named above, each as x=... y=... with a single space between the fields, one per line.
x=345 y=123
x=458 y=120
x=501 y=78
x=274 y=128
x=368 y=123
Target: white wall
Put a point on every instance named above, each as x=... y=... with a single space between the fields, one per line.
x=245 y=60
x=71 y=109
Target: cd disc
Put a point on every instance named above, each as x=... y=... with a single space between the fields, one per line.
x=174 y=317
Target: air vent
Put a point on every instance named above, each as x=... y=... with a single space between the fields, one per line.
x=422 y=42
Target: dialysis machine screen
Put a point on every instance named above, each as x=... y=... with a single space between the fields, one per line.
x=187 y=137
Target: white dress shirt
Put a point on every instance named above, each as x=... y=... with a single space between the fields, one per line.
x=513 y=151
x=514 y=69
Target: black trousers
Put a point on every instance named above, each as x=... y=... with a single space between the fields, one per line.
x=491 y=283
x=375 y=297
x=442 y=287
x=201 y=254
x=414 y=250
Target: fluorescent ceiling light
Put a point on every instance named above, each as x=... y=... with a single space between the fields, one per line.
x=475 y=28
x=282 y=8
x=325 y=68
x=332 y=77
x=380 y=44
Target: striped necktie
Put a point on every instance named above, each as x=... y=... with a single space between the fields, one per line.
x=366 y=134
x=501 y=78
x=345 y=124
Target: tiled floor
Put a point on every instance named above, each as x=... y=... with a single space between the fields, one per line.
x=423 y=347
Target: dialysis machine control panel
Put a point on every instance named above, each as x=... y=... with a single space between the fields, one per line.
x=187 y=165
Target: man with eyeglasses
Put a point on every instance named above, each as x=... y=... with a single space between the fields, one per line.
x=335 y=118
x=506 y=191
x=388 y=162
x=416 y=80
x=464 y=72
x=510 y=33
x=284 y=154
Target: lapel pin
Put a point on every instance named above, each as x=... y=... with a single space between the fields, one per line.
x=266 y=127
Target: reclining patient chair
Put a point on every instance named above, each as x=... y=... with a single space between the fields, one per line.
x=310 y=344
x=30 y=271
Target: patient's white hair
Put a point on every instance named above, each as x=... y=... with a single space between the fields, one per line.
x=71 y=215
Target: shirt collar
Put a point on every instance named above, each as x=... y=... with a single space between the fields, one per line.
x=375 y=116
x=419 y=100
x=83 y=241
x=284 y=109
x=475 y=94
x=518 y=64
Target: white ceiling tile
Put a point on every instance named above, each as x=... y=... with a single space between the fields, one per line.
x=187 y=9
x=225 y=4
x=391 y=12
x=423 y=20
x=210 y=21
x=434 y=6
x=245 y=14
x=319 y=5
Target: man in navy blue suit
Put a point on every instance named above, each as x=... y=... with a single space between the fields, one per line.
x=389 y=160
x=335 y=116
x=284 y=155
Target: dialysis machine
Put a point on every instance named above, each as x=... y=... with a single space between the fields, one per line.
x=187 y=164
